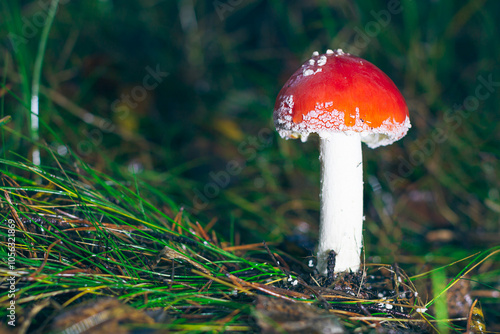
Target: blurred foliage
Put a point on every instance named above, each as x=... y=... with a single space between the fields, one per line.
x=204 y=134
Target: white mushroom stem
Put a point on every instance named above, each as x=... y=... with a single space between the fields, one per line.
x=341 y=223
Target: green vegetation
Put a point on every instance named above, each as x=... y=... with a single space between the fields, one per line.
x=161 y=174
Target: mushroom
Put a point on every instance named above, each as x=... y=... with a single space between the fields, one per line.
x=346 y=100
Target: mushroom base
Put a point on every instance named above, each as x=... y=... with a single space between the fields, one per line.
x=341 y=222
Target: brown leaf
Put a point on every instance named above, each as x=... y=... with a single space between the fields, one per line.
x=104 y=316
x=459 y=299
x=281 y=316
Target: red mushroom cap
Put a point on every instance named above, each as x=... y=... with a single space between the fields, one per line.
x=337 y=92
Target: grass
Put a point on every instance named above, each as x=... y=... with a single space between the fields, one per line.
x=82 y=236
x=117 y=201
x=128 y=247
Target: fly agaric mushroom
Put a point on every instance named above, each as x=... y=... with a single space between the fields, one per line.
x=345 y=100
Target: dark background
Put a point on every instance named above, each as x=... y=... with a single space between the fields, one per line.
x=204 y=135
